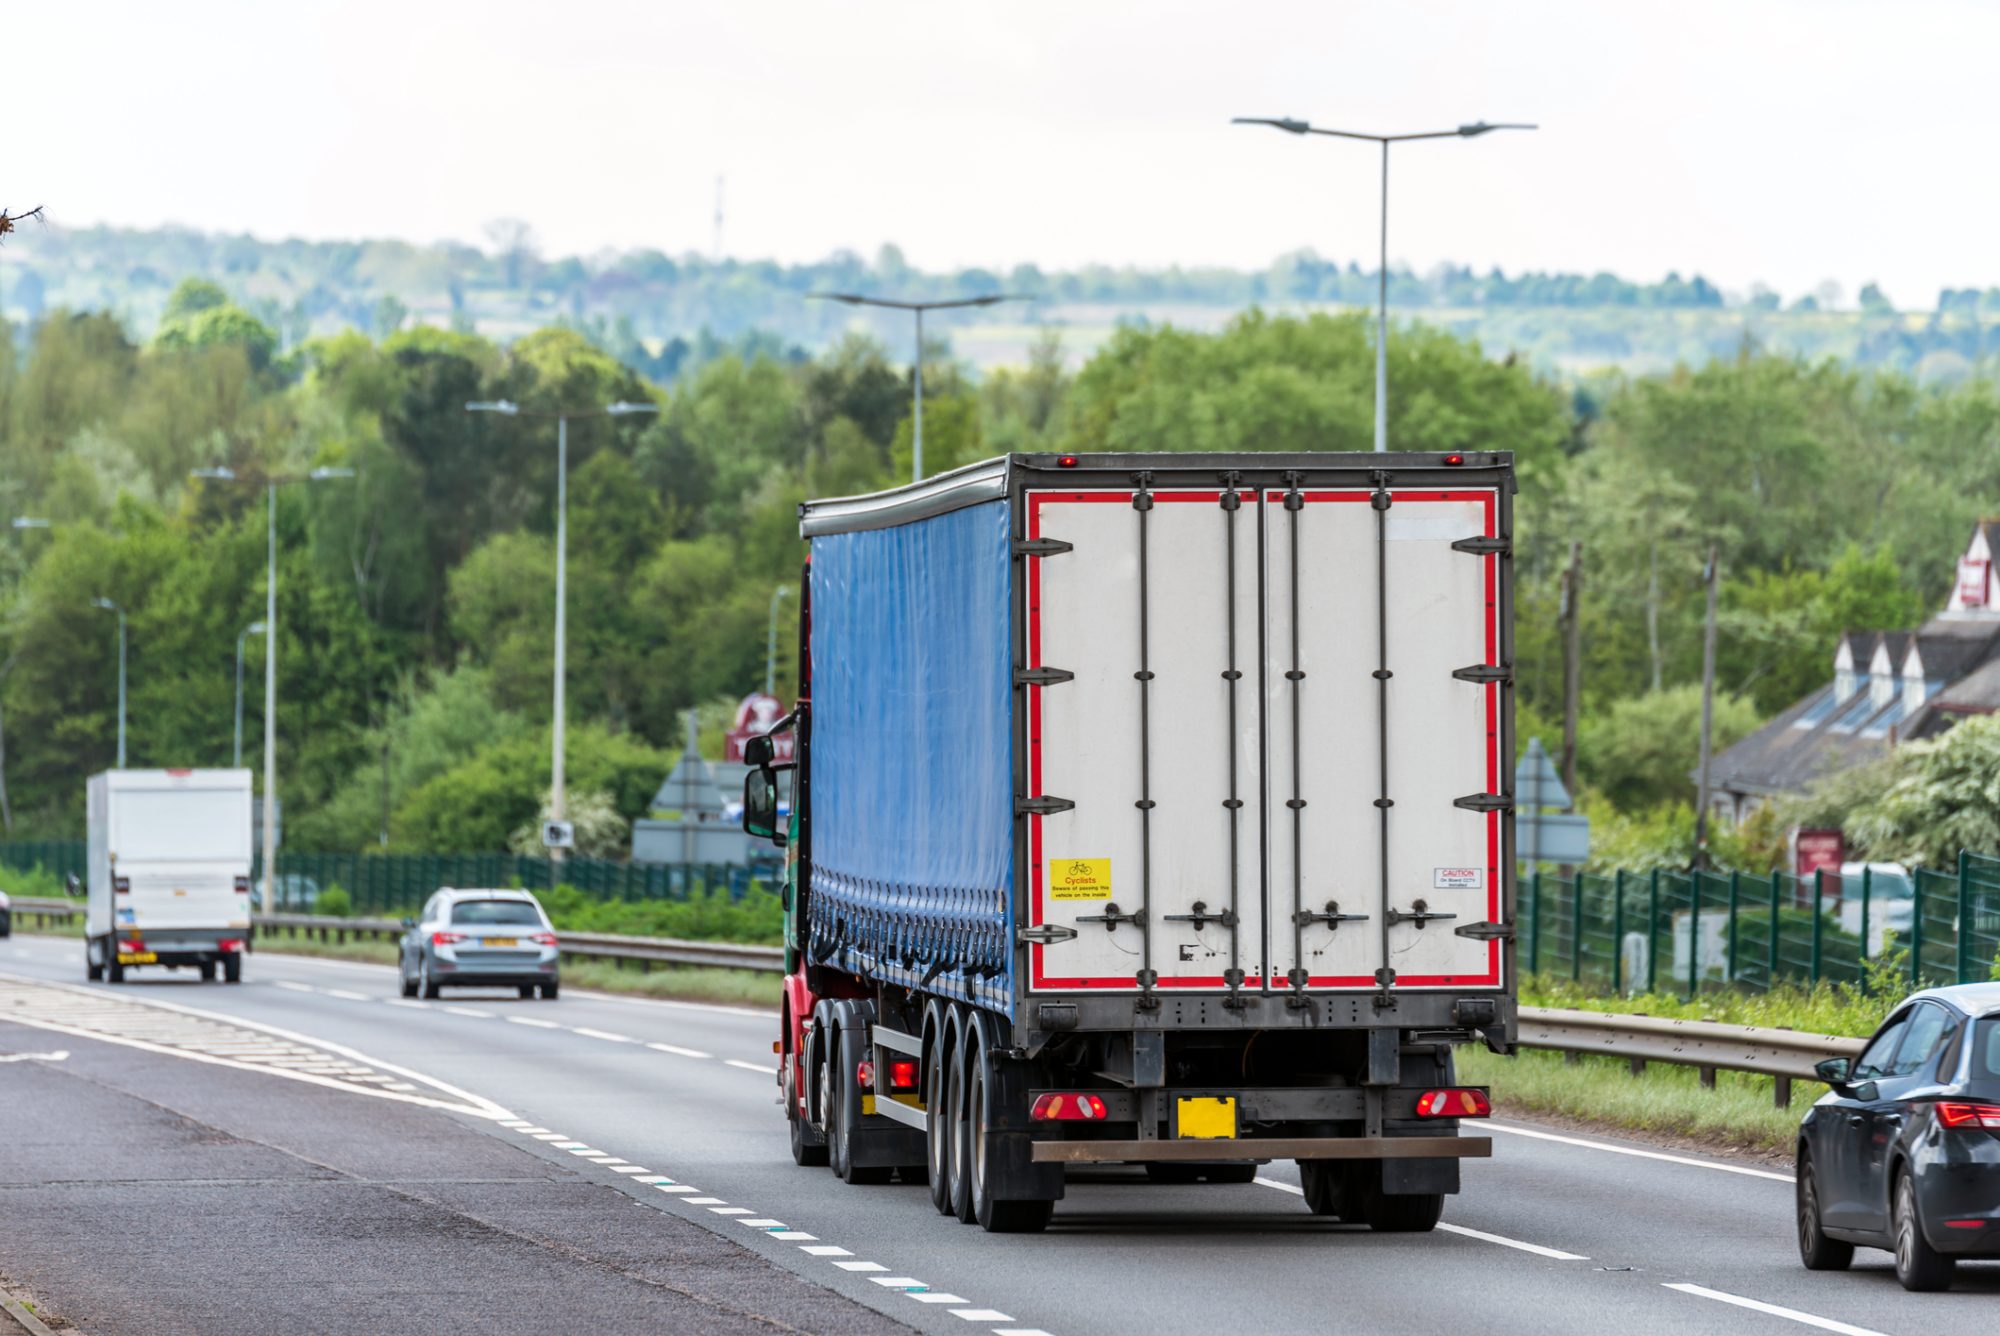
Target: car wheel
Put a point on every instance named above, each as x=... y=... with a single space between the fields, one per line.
x=549 y=991
x=207 y=968
x=404 y=983
x=1918 y=1265
x=527 y=991
x=426 y=985
x=1816 y=1250
x=232 y=969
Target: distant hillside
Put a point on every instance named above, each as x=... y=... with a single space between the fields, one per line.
x=654 y=311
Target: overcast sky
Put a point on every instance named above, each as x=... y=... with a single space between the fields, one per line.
x=1782 y=141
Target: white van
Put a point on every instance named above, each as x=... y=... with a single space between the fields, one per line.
x=169 y=872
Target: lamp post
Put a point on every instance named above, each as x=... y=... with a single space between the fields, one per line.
x=508 y=408
x=1296 y=127
x=109 y=606
x=271 y=485
x=255 y=628
x=771 y=643
x=917 y=422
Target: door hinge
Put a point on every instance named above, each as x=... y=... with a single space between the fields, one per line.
x=1041 y=805
x=1484 y=802
x=1043 y=676
x=1482 y=546
x=1041 y=547
x=1484 y=672
x=1485 y=931
x=1047 y=934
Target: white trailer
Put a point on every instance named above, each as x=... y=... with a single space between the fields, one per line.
x=169 y=872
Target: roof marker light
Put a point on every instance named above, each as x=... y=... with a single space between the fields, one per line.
x=1454 y=460
x=1066 y=461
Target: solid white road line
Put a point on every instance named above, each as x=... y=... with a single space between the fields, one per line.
x=1556 y=1253
x=756 y=1067
x=1742 y=1169
x=1759 y=1306
x=678 y=1051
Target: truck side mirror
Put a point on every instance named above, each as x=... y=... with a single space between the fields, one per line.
x=760 y=805
x=758 y=752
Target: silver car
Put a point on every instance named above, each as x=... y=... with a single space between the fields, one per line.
x=479 y=939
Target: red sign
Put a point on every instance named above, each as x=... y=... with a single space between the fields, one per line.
x=1816 y=850
x=1972 y=581
x=754 y=716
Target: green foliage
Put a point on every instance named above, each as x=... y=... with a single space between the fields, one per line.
x=220 y=327
x=600 y=830
x=1641 y=751
x=757 y=918
x=1922 y=803
x=192 y=296
x=334 y=902
x=476 y=805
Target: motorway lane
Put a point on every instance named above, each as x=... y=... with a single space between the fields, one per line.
x=1614 y=1230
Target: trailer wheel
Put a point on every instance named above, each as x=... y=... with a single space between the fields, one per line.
x=995 y=1217
x=1326 y=1188
x=844 y=1121
x=937 y=1113
x=1397 y=1213
x=959 y=1129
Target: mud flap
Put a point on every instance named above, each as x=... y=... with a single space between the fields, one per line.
x=1408 y=1177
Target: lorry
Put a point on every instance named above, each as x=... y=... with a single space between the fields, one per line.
x=1150 y=809
x=168 y=872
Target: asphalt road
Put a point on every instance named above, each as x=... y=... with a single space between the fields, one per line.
x=1558 y=1233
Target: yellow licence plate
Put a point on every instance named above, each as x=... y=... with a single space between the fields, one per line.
x=138 y=957
x=1207 y=1117
x=502 y=941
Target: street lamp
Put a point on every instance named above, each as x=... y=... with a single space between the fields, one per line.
x=1296 y=127
x=856 y=299
x=771 y=643
x=109 y=606
x=271 y=485
x=255 y=628
x=508 y=408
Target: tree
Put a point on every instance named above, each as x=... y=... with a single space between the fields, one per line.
x=1641 y=751
x=1924 y=802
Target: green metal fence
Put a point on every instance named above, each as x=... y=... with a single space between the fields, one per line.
x=393 y=883
x=1626 y=932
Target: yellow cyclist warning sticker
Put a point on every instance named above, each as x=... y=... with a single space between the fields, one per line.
x=1080 y=879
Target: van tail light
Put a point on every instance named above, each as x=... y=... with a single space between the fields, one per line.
x=243 y=885
x=229 y=945
x=132 y=947
x=1454 y=1104
x=543 y=938
x=864 y=1076
x=902 y=1075
x=1953 y=1114
x=447 y=938
x=122 y=885
x=1067 y=1108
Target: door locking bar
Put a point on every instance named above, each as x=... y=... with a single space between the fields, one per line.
x=1331 y=917
x=1113 y=916
x=1418 y=913
x=1201 y=918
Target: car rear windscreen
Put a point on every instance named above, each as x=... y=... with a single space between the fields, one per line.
x=495 y=911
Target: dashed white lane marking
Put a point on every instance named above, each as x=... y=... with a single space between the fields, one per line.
x=346 y=996
x=1019 y=1331
x=1480 y=1234
x=981 y=1315
x=899 y=1282
x=675 y=1187
x=588 y=1033
x=861 y=1266
x=762 y=1224
x=706 y=1201
x=531 y=1021
x=59 y=1055
x=792 y=1235
x=225 y=1041
x=520 y=1125
x=678 y=1051
x=730 y=1210
x=1759 y=1306
x=550 y=1136
x=474 y=1012
x=288 y=985
x=756 y=1067
x=1634 y=1151
x=936 y=1297
x=824 y=1250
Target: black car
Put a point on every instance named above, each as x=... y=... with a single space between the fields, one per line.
x=1903 y=1152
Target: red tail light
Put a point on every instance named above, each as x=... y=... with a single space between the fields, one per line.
x=1066 y=461
x=864 y=1076
x=1970 y=1115
x=122 y=885
x=1454 y=1104
x=447 y=938
x=902 y=1075
x=243 y=885
x=543 y=938
x=1454 y=460
x=133 y=947
x=229 y=944
x=1067 y=1108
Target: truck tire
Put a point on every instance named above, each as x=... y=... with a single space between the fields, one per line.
x=1401 y=1213
x=1326 y=1188
x=844 y=1123
x=995 y=1217
x=207 y=968
x=937 y=1109
x=232 y=968
x=113 y=971
x=93 y=965
x=1170 y=1172
x=958 y=1189
x=809 y=1148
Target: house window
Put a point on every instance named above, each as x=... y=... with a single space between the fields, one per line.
x=1851 y=718
x=1880 y=724
x=1822 y=706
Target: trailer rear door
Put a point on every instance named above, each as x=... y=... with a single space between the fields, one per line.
x=1207 y=782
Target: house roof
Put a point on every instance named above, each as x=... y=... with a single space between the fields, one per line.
x=1951 y=647
x=1785 y=755
x=1978 y=692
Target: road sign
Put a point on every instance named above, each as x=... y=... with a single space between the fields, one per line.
x=558 y=835
x=1536 y=783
